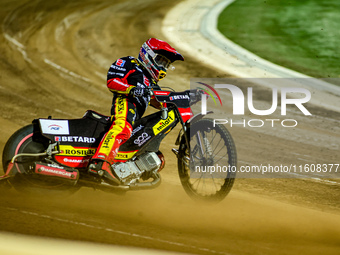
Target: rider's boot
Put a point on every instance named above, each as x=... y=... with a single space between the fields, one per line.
x=103 y=169
x=108 y=148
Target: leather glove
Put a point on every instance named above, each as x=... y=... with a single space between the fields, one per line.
x=195 y=95
x=138 y=92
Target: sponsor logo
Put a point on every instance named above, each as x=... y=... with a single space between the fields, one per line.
x=78 y=161
x=140 y=140
x=120 y=62
x=55 y=172
x=146 y=48
x=186 y=113
x=114 y=73
x=120 y=105
x=54 y=127
x=140 y=70
x=75 y=139
x=108 y=140
x=140 y=127
x=55 y=166
x=122 y=156
x=165 y=123
x=179 y=97
x=67 y=150
x=161 y=93
x=146 y=81
x=59 y=127
x=118 y=68
x=161 y=125
x=125 y=155
x=141 y=85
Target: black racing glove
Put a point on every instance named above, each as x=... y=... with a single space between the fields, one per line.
x=138 y=92
x=195 y=95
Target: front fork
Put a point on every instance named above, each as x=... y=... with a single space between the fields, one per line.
x=202 y=151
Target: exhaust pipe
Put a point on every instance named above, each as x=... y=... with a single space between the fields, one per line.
x=147 y=185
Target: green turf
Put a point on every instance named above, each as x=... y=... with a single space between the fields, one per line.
x=303 y=35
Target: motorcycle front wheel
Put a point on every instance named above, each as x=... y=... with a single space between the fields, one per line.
x=207 y=166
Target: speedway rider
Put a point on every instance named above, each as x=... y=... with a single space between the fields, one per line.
x=127 y=79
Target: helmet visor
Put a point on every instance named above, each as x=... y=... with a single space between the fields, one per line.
x=162 y=61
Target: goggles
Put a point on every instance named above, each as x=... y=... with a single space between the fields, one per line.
x=162 y=61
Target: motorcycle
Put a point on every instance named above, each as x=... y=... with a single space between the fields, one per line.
x=53 y=154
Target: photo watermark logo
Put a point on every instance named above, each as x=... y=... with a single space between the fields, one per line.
x=241 y=101
x=267 y=112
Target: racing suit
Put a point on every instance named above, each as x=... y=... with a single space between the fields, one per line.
x=124 y=74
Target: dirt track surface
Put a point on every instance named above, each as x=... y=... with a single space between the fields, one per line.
x=53 y=61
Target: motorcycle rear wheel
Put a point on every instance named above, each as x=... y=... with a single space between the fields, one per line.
x=24 y=181
x=207 y=167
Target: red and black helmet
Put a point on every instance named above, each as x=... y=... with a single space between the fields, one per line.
x=156 y=56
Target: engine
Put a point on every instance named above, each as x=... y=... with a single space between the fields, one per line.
x=130 y=171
